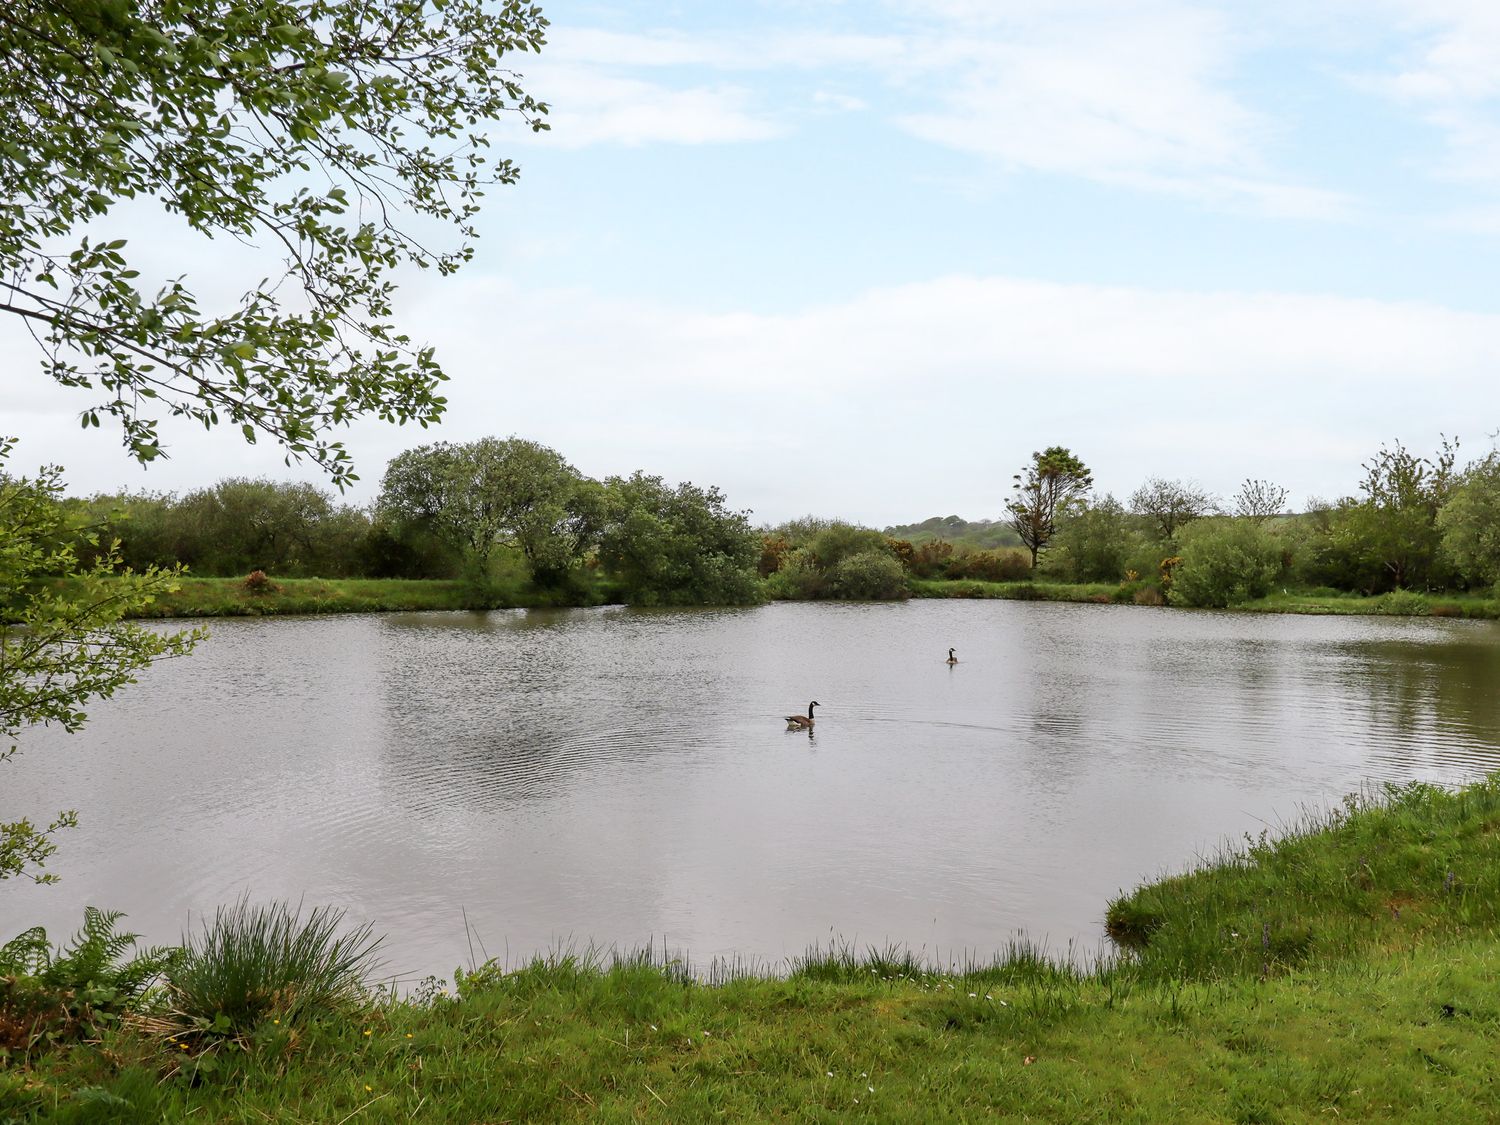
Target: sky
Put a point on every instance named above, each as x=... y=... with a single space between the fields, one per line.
x=861 y=259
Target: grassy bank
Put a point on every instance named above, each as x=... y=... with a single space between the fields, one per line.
x=1345 y=971
x=1399 y=603
x=233 y=597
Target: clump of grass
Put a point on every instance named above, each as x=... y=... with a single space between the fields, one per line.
x=255 y=961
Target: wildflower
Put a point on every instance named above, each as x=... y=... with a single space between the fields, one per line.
x=276 y=1021
x=870 y=1088
x=830 y=1074
x=408 y=1035
x=183 y=1046
x=369 y=1088
x=367 y=1031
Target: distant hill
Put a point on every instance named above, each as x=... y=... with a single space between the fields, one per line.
x=981 y=535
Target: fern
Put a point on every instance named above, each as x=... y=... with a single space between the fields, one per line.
x=72 y=990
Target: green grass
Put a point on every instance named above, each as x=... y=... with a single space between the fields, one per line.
x=1102 y=592
x=1404 y=603
x=1345 y=971
x=231 y=597
x=1400 y=603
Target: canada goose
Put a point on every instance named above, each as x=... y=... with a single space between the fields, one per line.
x=951 y=658
x=802 y=722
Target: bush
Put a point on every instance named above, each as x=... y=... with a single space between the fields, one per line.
x=1402 y=603
x=990 y=566
x=868 y=576
x=251 y=962
x=1224 y=561
x=257 y=583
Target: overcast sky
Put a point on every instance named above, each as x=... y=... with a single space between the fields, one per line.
x=861 y=258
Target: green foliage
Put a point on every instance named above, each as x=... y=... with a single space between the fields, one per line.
x=1470 y=522
x=867 y=576
x=1097 y=541
x=49 y=994
x=491 y=493
x=69 y=643
x=976 y=535
x=677 y=546
x=309 y=126
x=1395 y=527
x=988 y=566
x=251 y=963
x=836 y=559
x=1224 y=562
x=1046 y=490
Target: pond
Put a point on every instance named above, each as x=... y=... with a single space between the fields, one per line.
x=533 y=780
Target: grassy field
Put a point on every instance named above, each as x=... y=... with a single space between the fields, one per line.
x=1344 y=972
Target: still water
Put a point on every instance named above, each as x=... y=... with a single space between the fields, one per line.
x=618 y=776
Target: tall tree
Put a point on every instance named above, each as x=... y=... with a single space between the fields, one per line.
x=1259 y=500
x=312 y=127
x=62 y=638
x=1396 y=524
x=1470 y=521
x=1054 y=482
x=1168 y=504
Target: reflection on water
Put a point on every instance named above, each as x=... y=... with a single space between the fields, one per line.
x=622 y=775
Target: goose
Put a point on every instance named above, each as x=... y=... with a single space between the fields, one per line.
x=802 y=722
x=951 y=658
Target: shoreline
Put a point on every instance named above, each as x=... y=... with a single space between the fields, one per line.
x=1345 y=966
x=229 y=597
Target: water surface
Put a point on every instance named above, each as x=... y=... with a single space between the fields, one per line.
x=620 y=776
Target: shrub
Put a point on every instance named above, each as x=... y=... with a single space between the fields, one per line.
x=1402 y=603
x=1224 y=561
x=258 y=583
x=1149 y=595
x=930 y=559
x=253 y=961
x=868 y=576
x=990 y=566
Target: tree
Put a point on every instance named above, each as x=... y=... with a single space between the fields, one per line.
x=1098 y=541
x=1050 y=486
x=1396 y=523
x=677 y=546
x=312 y=127
x=1470 y=521
x=62 y=638
x=492 y=492
x=1259 y=500
x=1168 y=504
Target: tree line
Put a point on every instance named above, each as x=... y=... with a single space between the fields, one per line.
x=474 y=510
x=1416 y=522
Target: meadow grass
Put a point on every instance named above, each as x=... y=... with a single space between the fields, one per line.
x=1343 y=971
x=233 y=597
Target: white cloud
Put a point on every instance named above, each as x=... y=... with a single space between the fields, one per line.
x=589 y=107
x=1449 y=76
x=1128 y=93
